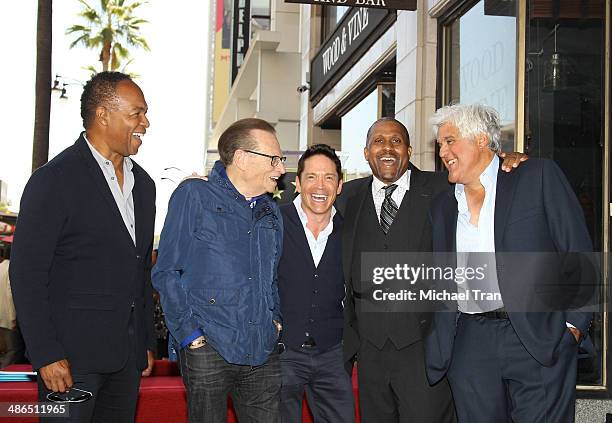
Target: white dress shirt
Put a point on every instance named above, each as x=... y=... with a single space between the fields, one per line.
x=123 y=198
x=480 y=238
x=317 y=245
x=378 y=191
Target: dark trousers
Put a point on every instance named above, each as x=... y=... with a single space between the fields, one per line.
x=495 y=379
x=393 y=387
x=114 y=394
x=209 y=379
x=329 y=389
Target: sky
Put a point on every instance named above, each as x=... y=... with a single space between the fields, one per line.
x=172 y=77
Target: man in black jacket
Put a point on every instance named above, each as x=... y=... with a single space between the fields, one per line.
x=392 y=382
x=81 y=259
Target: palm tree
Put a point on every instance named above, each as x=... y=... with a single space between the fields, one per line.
x=42 y=108
x=112 y=28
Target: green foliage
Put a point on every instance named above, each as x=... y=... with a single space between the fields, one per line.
x=112 y=28
x=124 y=69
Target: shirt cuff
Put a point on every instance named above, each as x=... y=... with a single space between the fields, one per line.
x=569 y=325
x=196 y=334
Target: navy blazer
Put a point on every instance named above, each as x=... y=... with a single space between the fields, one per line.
x=536 y=210
x=75 y=271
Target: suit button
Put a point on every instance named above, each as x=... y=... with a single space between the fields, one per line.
x=316 y=276
x=138 y=257
x=211 y=301
x=315 y=291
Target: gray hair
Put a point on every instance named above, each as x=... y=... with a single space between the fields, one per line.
x=471 y=120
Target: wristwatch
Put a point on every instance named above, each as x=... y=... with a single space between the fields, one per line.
x=200 y=341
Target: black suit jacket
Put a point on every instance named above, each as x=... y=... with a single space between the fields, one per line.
x=535 y=211
x=424 y=186
x=75 y=271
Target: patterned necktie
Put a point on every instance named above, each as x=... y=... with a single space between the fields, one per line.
x=388 y=210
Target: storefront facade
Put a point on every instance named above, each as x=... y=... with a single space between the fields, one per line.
x=543 y=64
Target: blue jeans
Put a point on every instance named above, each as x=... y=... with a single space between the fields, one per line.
x=329 y=388
x=209 y=379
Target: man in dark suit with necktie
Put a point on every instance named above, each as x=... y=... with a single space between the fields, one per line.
x=311 y=289
x=81 y=259
x=388 y=212
x=511 y=356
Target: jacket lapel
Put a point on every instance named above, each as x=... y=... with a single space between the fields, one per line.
x=506 y=187
x=353 y=212
x=450 y=222
x=102 y=186
x=296 y=230
x=415 y=200
x=139 y=212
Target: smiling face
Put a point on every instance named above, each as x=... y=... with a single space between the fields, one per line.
x=127 y=121
x=464 y=159
x=318 y=185
x=387 y=152
x=259 y=172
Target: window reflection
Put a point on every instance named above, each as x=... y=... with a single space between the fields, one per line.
x=564 y=114
x=482 y=69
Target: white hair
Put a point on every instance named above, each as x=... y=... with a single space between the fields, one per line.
x=471 y=120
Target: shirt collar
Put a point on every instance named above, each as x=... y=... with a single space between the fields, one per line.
x=297 y=202
x=488 y=179
x=223 y=175
x=402 y=182
x=127 y=162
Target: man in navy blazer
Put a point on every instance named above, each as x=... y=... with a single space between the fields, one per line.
x=511 y=356
x=81 y=259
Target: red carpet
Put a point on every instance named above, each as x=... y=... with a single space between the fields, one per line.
x=162 y=396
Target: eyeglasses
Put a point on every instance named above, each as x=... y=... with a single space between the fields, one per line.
x=274 y=160
x=75 y=395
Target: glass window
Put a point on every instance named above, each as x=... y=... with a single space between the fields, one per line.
x=386 y=95
x=564 y=88
x=355 y=124
x=482 y=68
x=260 y=15
x=330 y=17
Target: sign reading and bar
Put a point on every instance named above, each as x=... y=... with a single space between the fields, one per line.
x=355 y=33
x=383 y=4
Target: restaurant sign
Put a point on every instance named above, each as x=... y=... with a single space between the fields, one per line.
x=355 y=33
x=383 y=4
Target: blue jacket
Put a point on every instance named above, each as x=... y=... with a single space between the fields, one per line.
x=216 y=268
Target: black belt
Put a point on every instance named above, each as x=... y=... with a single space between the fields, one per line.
x=500 y=313
x=309 y=343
